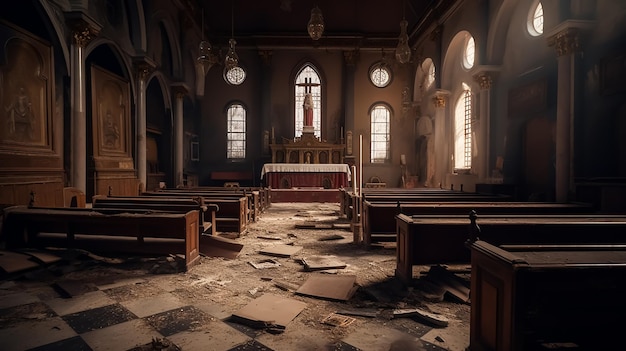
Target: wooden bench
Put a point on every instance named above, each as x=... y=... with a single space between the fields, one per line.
x=253 y=202
x=441 y=239
x=105 y=230
x=233 y=210
x=529 y=297
x=207 y=212
x=379 y=218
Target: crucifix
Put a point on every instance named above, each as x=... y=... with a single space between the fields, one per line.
x=308 y=101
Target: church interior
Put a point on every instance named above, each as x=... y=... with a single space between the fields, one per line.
x=489 y=134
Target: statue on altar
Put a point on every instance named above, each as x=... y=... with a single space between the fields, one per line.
x=308 y=109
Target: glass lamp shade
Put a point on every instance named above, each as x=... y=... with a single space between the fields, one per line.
x=206 y=58
x=403 y=51
x=232 y=59
x=316 y=24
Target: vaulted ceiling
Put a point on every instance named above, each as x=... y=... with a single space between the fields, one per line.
x=348 y=23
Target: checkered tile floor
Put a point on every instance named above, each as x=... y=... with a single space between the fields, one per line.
x=138 y=314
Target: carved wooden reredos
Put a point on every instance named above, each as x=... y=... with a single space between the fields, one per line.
x=307 y=149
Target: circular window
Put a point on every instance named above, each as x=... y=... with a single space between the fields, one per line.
x=235 y=75
x=380 y=75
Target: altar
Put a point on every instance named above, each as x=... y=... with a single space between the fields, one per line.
x=305 y=175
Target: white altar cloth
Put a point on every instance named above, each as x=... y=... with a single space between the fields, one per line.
x=305 y=168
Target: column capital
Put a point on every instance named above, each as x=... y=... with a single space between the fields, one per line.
x=566 y=37
x=484 y=75
x=266 y=56
x=350 y=57
x=144 y=66
x=83 y=28
x=439 y=98
x=180 y=89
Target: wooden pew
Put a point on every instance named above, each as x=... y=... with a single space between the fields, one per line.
x=379 y=222
x=105 y=230
x=529 y=297
x=207 y=212
x=233 y=210
x=441 y=238
x=252 y=203
x=257 y=197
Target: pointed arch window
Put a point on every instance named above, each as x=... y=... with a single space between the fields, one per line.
x=308 y=81
x=236 y=132
x=380 y=117
x=463 y=130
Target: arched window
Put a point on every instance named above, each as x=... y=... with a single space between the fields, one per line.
x=380 y=116
x=463 y=130
x=469 y=55
x=236 y=132
x=308 y=81
x=535 y=20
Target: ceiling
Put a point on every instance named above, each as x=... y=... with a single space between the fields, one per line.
x=348 y=23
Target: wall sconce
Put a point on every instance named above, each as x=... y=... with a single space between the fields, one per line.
x=316 y=24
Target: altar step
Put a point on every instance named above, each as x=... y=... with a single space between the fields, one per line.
x=305 y=195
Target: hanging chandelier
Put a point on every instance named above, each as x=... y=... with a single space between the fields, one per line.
x=232 y=59
x=316 y=24
x=403 y=51
x=206 y=58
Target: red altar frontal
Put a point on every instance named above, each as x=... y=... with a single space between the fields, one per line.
x=304 y=175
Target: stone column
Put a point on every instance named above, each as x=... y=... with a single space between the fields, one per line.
x=180 y=90
x=442 y=157
x=485 y=80
x=565 y=41
x=143 y=67
x=83 y=30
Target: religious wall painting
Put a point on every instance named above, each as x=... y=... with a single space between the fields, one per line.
x=111 y=114
x=26 y=94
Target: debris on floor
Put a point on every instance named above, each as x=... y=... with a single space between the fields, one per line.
x=269 y=312
x=263 y=264
x=433 y=319
x=281 y=250
x=333 y=287
x=317 y=263
x=337 y=320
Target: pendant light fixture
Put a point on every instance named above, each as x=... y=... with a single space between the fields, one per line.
x=206 y=59
x=316 y=24
x=232 y=59
x=403 y=51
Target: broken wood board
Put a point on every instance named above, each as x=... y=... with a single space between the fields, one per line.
x=450 y=282
x=421 y=314
x=370 y=313
x=13 y=262
x=269 y=311
x=331 y=237
x=333 y=287
x=281 y=250
x=314 y=225
x=263 y=264
x=214 y=246
x=316 y=263
x=71 y=288
x=268 y=237
x=337 y=320
x=41 y=257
